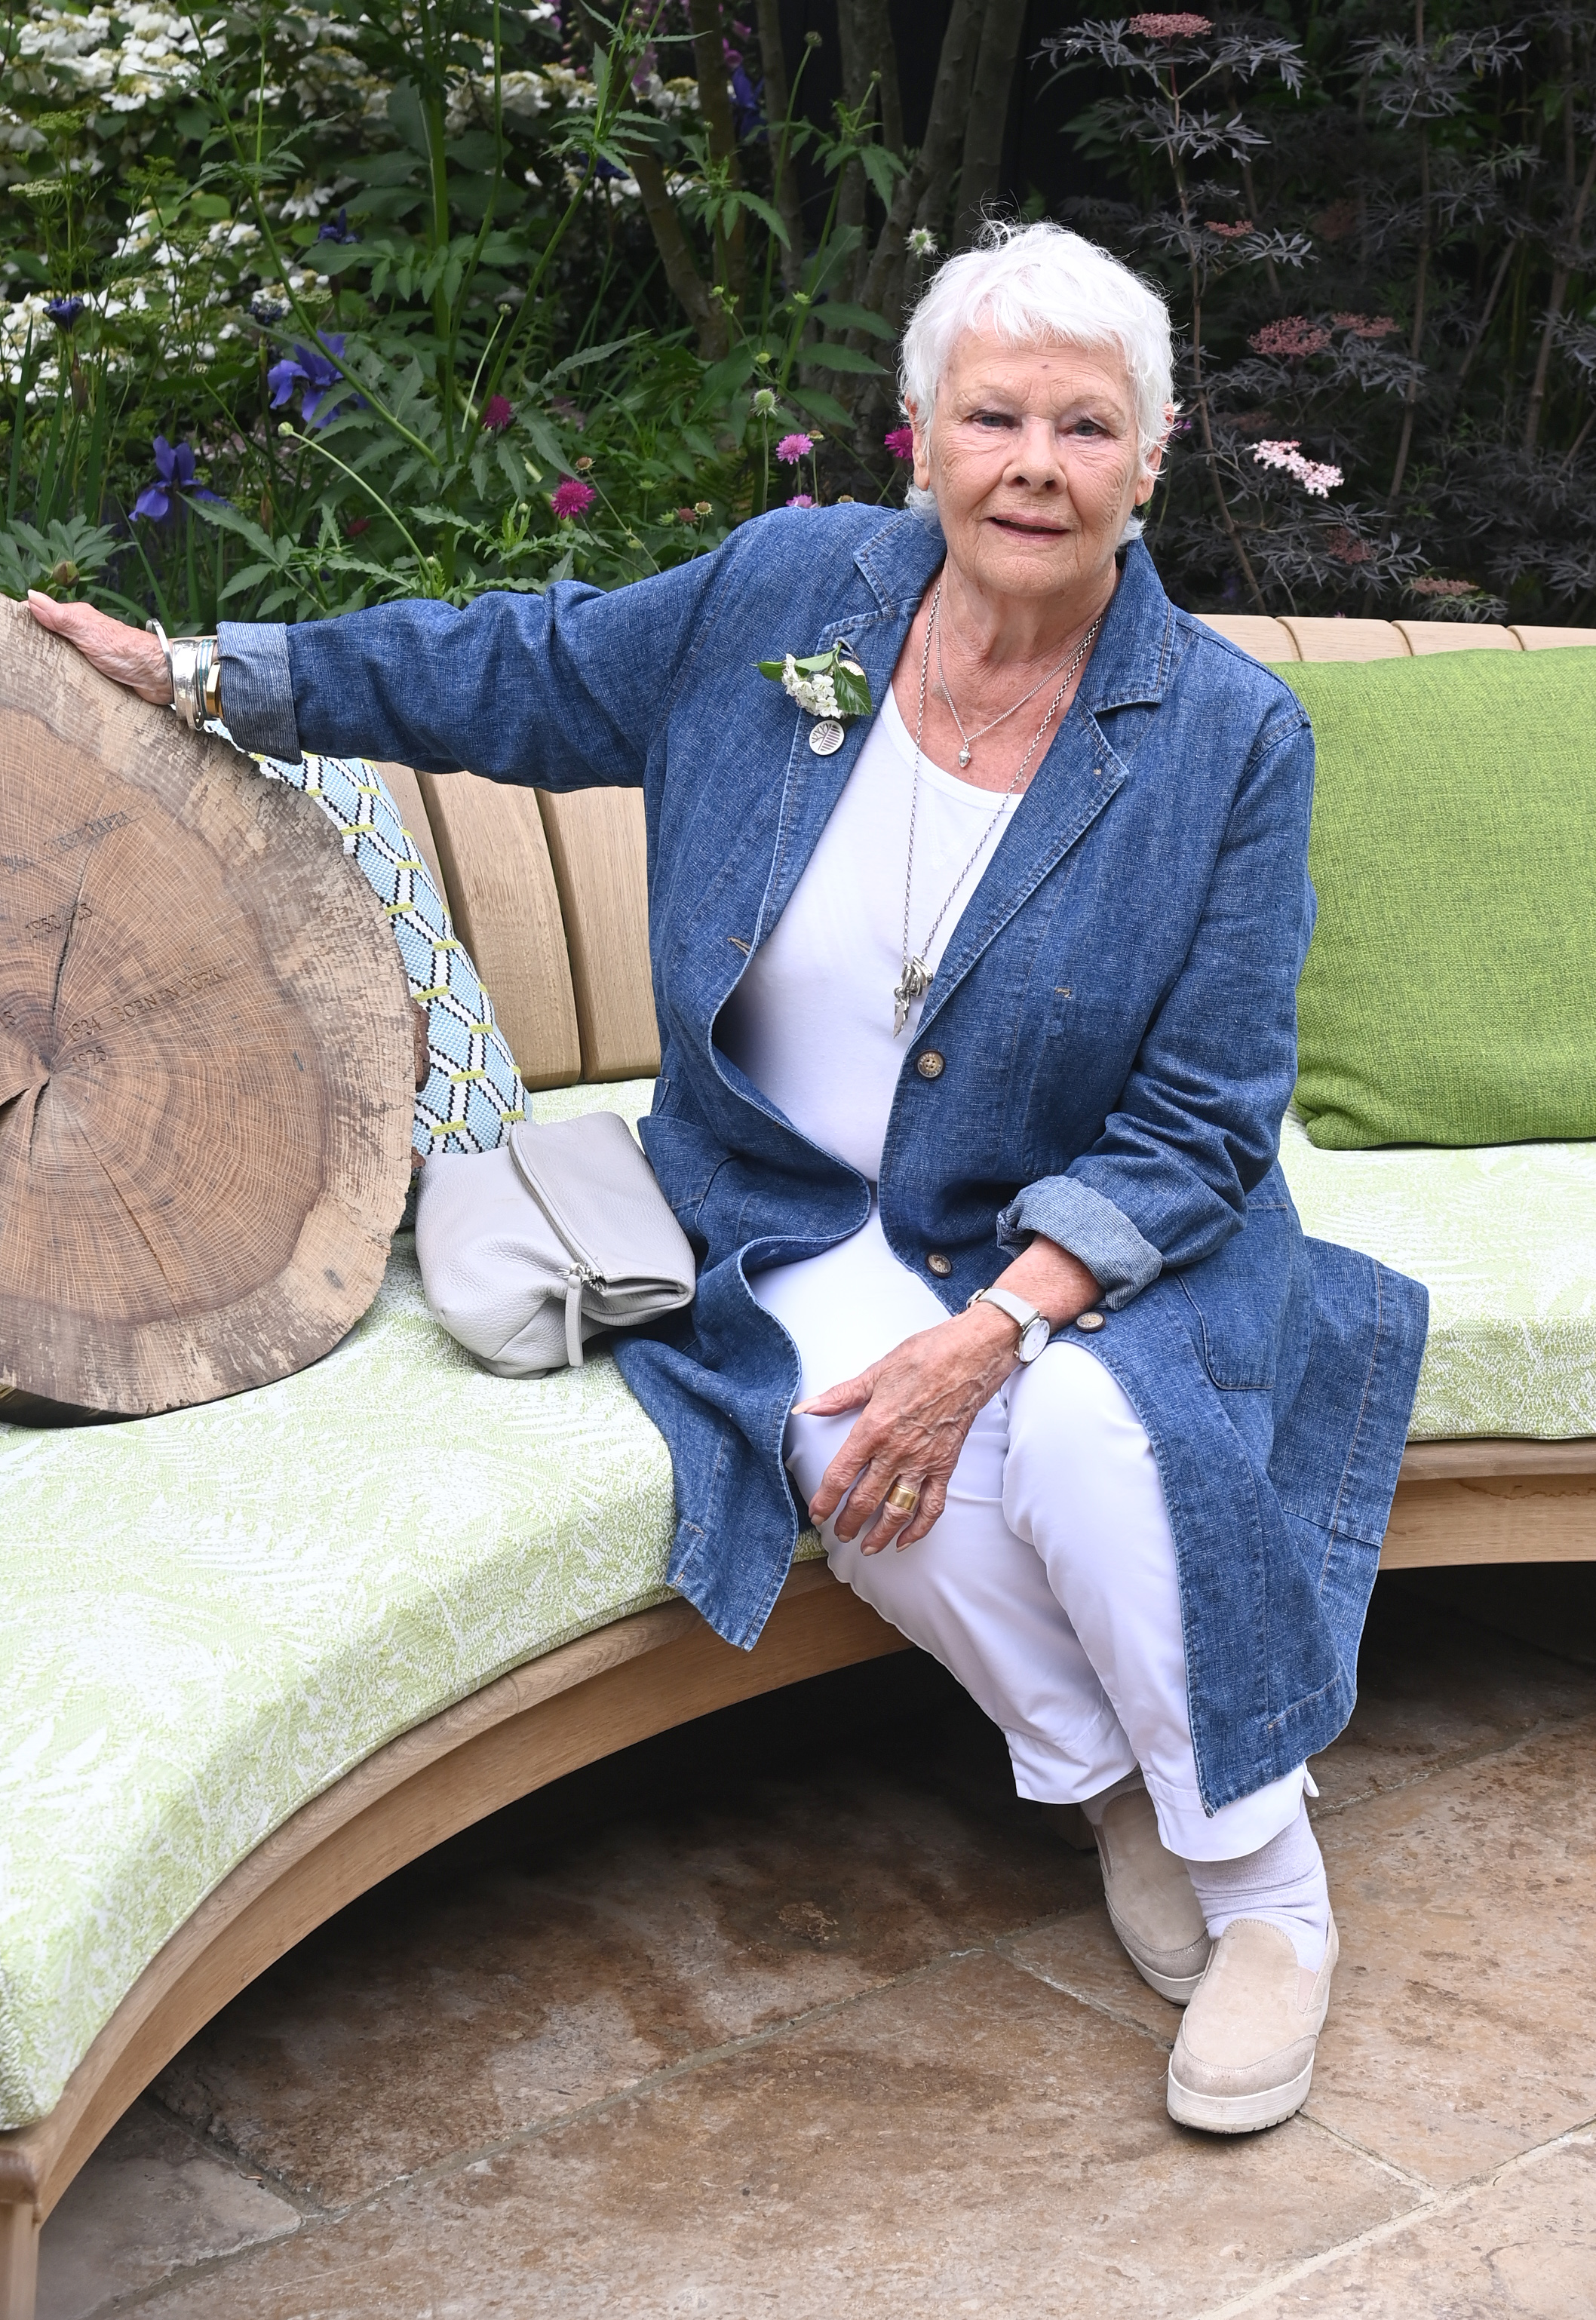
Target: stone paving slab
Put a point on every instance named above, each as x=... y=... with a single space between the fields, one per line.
x=799 y=2013
x=966 y=2139
x=1523 y=2243
x=152 y=2202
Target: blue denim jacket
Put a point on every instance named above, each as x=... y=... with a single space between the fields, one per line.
x=1116 y=1009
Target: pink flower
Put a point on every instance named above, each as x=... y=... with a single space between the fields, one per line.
x=1365 y=326
x=900 y=443
x=1228 y=233
x=794 y=448
x=1317 y=478
x=687 y=515
x=1432 y=586
x=801 y=499
x=498 y=413
x=1295 y=337
x=1346 y=546
x=572 y=499
x=1169 y=28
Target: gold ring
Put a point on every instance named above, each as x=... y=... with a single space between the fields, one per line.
x=901 y=1499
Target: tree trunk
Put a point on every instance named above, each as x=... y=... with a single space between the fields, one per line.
x=778 y=99
x=858 y=67
x=989 y=114
x=926 y=185
x=715 y=104
x=1560 y=280
x=1422 y=283
x=676 y=253
x=922 y=194
x=876 y=39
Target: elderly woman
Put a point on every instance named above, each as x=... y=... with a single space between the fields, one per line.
x=977 y=1019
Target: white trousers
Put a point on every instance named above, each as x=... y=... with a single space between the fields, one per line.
x=1048 y=1586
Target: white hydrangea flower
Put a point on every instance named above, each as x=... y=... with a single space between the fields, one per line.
x=815 y=695
x=307 y=201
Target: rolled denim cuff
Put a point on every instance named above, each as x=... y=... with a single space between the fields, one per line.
x=1081 y=1220
x=257 y=687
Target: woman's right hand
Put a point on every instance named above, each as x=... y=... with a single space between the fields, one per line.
x=130 y=656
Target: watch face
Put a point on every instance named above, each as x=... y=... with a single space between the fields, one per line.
x=1034 y=1336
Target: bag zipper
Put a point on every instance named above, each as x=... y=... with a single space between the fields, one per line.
x=578 y=1277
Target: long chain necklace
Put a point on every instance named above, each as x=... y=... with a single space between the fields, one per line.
x=916 y=978
x=970 y=740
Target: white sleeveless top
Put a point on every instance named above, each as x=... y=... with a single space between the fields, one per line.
x=811 y=1020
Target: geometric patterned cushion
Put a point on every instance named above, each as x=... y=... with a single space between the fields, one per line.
x=473 y=1092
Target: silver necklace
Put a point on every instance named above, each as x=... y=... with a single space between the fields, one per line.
x=916 y=978
x=970 y=740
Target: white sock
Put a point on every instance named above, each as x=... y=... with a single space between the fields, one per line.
x=1284 y=1883
x=1095 y=1806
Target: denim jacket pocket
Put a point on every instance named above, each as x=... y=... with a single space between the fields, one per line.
x=1240 y=1295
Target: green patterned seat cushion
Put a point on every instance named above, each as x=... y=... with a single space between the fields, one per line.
x=1450 y=994
x=1504 y=1238
x=210 y=1616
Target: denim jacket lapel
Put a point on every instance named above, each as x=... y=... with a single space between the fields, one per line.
x=1077 y=777
x=896 y=564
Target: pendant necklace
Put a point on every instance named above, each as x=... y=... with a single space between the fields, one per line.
x=969 y=740
x=916 y=978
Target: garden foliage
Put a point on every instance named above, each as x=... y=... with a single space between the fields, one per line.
x=304 y=307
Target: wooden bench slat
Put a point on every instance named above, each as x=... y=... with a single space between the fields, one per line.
x=499 y=884
x=1332 y=639
x=1255 y=634
x=1543 y=640
x=598 y=846
x=1457 y=636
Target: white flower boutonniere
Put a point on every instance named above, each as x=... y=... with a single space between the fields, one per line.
x=829 y=686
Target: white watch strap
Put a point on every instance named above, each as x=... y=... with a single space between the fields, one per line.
x=1021 y=1314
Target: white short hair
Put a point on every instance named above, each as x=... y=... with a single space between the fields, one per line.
x=1035 y=282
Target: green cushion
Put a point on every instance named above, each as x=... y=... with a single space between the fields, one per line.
x=210 y=1616
x=1504 y=1239
x=1449 y=996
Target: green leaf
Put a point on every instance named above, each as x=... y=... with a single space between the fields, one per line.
x=846 y=358
x=881 y=167
x=853 y=690
x=819 y=404
x=775 y=669
x=591 y=355
x=840 y=315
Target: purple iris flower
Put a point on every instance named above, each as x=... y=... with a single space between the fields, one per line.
x=173 y=479
x=308 y=368
x=64 y=311
x=747 y=102
x=336 y=228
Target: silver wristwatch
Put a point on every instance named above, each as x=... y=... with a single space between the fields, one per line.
x=1034 y=1327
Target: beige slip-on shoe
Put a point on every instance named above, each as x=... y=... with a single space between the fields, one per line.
x=1151 y=1905
x=1244 y=2058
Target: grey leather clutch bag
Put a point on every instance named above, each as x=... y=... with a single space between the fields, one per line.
x=562 y=1232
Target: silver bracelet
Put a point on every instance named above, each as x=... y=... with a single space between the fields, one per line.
x=194 y=664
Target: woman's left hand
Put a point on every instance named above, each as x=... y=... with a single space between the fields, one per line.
x=920 y=1401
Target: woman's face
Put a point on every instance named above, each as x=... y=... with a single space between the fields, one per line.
x=1033 y=456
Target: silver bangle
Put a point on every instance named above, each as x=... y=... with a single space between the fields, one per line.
x=194 y=664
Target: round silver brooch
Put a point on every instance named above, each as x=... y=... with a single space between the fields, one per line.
x=826 y=737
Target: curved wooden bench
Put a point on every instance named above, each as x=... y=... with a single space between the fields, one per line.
x=550 y=893
x=587 y=1700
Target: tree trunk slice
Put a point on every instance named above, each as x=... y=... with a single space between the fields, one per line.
x=206 y=1054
